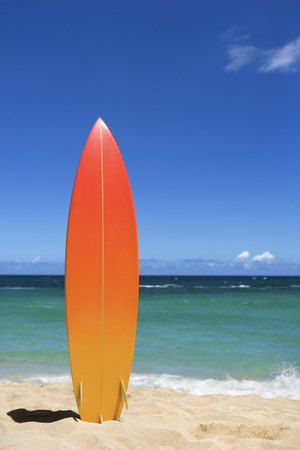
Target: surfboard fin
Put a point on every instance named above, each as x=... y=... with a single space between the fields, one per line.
x=124 y=394
x=80 y=397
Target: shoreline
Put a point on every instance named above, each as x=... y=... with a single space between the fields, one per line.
x=46 y=417
x=283 y=384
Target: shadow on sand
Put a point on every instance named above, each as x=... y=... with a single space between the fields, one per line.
x=21 y=415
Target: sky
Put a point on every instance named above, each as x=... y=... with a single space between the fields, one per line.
x=203 y=100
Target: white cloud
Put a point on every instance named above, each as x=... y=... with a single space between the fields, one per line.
x=195 y=266
x=192 y=266
x=264 y=257
x=243 y=259
x=240 y=56
x=247 y=262
x=211 y=264
x=36 y=260
x=284 y=59
x=242 y=256
x=233 y=35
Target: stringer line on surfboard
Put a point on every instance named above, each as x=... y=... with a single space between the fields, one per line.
x=102 y=269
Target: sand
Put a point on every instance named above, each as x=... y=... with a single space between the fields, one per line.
x=45 y=417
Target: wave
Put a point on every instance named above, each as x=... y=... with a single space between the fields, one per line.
x=223 y=286
x=49 y=379
x=16 y=288
x=159 y=286
x=38 y=380
x=163 y=286
x=286 y=384
x=241 y=286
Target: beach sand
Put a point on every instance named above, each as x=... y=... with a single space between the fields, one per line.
x=45 y=417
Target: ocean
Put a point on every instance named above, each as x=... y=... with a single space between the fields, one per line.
x=201 y=335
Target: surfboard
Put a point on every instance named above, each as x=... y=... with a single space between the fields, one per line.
x=101 y=279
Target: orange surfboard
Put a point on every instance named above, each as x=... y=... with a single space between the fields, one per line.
x=101 y=279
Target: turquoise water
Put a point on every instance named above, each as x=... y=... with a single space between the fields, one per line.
x=195 y=334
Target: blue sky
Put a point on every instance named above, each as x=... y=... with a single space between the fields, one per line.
x=203 y=99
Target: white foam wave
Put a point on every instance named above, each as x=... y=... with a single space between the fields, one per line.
x=241 y=286
x=37 y=379
x=286 y=384
x=16 y=288
x=163 y=286
x=51 y=379
x=48 y=379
